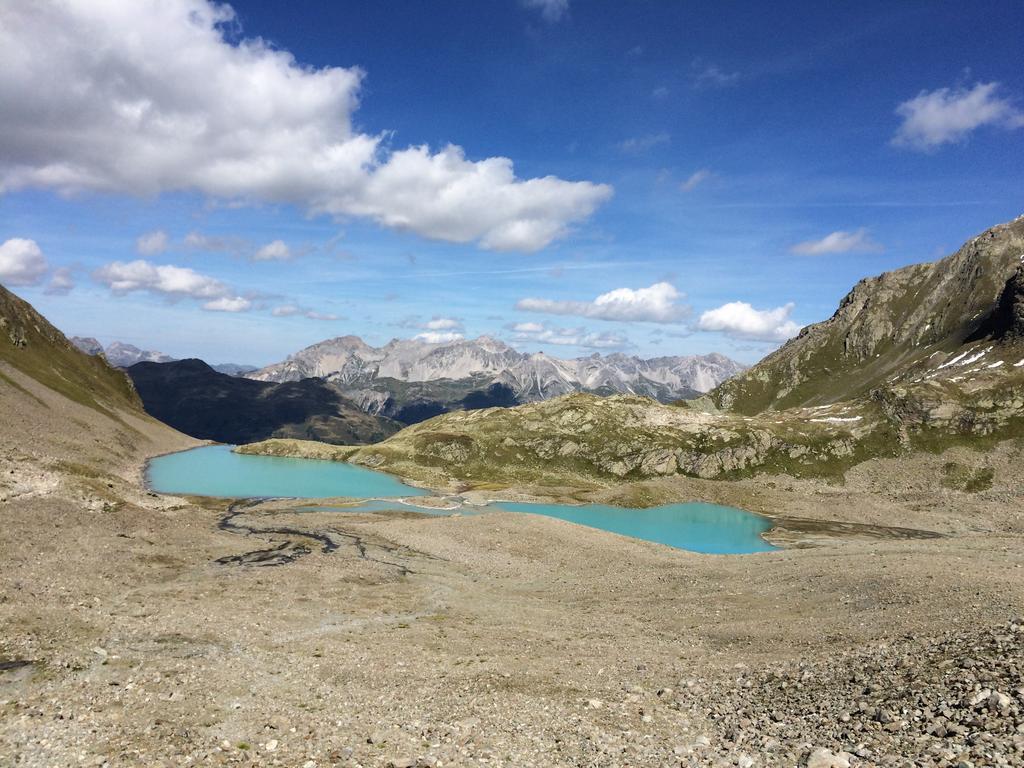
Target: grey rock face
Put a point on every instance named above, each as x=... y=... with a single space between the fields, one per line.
x=87 y=344
x=119 y=354
x=356 y=366
x=890 y=323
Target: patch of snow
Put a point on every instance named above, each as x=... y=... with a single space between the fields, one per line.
x=953 y=361
x=997 y=363
x=839 y=418
x=974 y=358
x=1018 y=365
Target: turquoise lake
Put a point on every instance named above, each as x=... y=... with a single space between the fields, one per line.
x=216 y=471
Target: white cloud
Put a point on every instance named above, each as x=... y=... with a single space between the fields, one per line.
x=840 y=241
x=443 y=324
x=228 y=304
x=149 y=97
x=656 y=304
x=278 y=250
x=446 y=197
x=740 y=320
x=61 y=282
x=949 y=115
x=290 y=310
x=171 y=282
x=152 y=243
x=438 y=337
x=696 y=179
x=568 y=337
x=640 y=144
x=140 y=275
x=21 y=262
x=550 y=10
x=661 y=92
x=711 y=75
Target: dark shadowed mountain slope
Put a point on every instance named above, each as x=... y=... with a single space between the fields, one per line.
x=192 y=397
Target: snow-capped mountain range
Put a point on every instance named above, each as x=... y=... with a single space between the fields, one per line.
x=355 y=365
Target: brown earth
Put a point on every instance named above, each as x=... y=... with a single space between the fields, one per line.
x=496 y=639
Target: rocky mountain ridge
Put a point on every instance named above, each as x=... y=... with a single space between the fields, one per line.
x=894 y=328
x=531 y=377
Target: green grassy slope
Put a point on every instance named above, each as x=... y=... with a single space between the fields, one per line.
x=31 y=345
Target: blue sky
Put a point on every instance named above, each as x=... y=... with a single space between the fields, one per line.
x=237 y=183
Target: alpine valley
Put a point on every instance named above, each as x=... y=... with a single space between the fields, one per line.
x=345 y=391
x=882 y=445
x=608 y=385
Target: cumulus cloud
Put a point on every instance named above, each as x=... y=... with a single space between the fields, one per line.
x=152 y=243
x=696 y=179
x=438 y=337
x=550 y=10
x=140 y=275
x=568 y=337
x=22 y=262
x=639 y=144
x=61 y=282
x=740 y=320
x=656 y=304
x=840 y=241
x=149 y=97
x=171 y=282
x=949 y=115
x=277 y=250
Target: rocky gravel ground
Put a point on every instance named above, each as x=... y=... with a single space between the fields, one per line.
x=954 y=700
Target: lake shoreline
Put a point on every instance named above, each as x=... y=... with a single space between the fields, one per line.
x=222 y=472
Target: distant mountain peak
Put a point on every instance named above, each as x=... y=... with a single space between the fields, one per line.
x=118 y=353
x=353 y=364
x=122 y=355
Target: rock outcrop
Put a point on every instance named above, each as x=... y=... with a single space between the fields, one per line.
x=891 y=324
